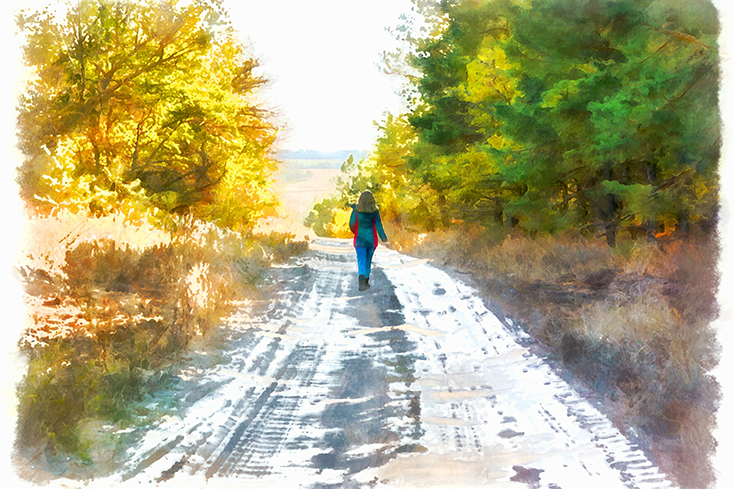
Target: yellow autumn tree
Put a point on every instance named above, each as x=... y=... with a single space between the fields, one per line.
x=143 y=104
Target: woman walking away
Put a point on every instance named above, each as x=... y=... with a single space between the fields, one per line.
x=366 y=225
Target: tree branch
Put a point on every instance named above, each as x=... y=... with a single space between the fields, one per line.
x=703 y=71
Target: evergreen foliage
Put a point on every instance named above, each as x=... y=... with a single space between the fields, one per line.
x=594 y=116
x=538 y=133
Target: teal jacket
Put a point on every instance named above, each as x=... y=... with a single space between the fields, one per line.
x=366 y=226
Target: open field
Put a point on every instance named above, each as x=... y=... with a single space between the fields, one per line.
x=331 y=163
x=297 y=188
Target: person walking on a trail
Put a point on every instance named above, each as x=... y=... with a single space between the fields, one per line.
x=366 y=225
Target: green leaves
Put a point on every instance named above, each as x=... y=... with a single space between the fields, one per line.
x=561 y=114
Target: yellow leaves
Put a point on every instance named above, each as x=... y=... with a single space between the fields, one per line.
x=474 y=157
x=151 y=107
x=562 y=91
x=587 y=68
x=490 y=54
x=497 y=142
x=486 y=78
x=339 y=227
x=701 y=189
x=66 y=186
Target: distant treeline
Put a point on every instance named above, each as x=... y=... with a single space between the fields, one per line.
x=595 y=117
x=312 y=154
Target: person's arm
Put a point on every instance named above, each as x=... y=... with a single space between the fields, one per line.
x=353 y=220
x=380 y=230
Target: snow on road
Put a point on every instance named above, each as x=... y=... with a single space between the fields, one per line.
x=413 y=383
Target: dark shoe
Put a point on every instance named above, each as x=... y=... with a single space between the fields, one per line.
x=366 y=283
x=363 y=282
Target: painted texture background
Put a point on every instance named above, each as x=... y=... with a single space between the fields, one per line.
x=14 y=316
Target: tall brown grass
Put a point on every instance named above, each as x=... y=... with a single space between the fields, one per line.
x=633 y=322
x=111 y=305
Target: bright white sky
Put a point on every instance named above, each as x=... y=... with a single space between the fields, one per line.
x=321 y=55
x=322 y=58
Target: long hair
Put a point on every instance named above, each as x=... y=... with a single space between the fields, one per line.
x=366 y=202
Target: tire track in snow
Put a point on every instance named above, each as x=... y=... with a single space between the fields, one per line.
x=412 y=383
x=288 y=407
x=513 y=406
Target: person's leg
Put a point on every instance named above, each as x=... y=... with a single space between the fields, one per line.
x=362 y=260
x=362 y=266
x=370 y=251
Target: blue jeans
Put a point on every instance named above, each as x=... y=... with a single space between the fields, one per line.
x=364 y=259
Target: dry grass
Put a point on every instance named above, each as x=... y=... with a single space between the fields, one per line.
x=47 y=238
x=296 y=199
x=110 y=306
x=633 y=322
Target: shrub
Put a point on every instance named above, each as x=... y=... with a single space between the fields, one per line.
x=110 y=321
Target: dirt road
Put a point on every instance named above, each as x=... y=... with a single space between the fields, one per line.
x=413 y=383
